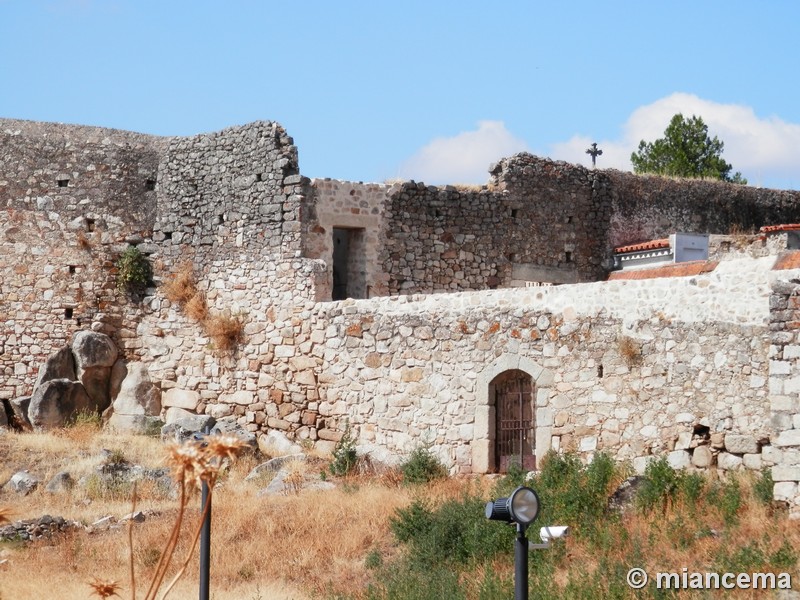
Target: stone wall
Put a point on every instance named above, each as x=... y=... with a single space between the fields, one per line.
x=695 y=367
x=230 y=193
x=649 y=207
x=636 y=368
x=104 y=178
x=73 y=198
x=784 y=387
x=354 y=207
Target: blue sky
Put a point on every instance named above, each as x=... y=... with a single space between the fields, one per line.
x=430 y=90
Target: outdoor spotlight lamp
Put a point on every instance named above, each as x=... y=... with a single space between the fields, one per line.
x=521 y=508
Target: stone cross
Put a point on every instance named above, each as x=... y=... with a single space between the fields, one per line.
x=594 y=152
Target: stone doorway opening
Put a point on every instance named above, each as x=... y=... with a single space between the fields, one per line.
x=514 y=437
x=349 y=263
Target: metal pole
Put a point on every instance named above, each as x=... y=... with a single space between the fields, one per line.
x=520 y=565
x=205 y=544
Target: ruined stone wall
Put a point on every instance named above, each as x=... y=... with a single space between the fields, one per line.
x=229 y=203
x=448 y=239
x=231 y=193
x=651 y=207
x=72 y=198
x=103 y=177
x=353 y=206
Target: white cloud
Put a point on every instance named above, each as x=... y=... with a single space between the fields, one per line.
x=763 y=149
x=463 y=158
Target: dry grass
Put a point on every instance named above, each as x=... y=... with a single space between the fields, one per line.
x=84 y=243
x=224 y=329
x=197 y=307
x=303 y=545
x=181 y=286
x=288 y=546
x=630 y=351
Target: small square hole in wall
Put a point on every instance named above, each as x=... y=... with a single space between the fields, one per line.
x=167 y=235
x=150 y=185
x=72 y=269
x=62 y=182
x=89 y=224
x=725 y=247
x=569 y=219
x=67 y=313
x=259 y=177
x=568 y=257
x=511 y=257
x=514 y=213
x=599 y=371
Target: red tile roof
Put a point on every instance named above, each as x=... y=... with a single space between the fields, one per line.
x=687 y=269
x=651 y=245
x=776 y=228
x=787 y=260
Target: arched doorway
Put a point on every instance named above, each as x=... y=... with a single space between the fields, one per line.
x=514 y=438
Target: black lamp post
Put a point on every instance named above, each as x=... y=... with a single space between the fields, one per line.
x=521 y=508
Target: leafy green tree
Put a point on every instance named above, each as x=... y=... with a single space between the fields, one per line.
x=686 y=150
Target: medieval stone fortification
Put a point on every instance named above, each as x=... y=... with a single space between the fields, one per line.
x=413 y=313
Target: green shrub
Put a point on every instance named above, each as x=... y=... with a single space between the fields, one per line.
x=133 y=271
x=344 y=454
x=86 y=418
x=731 y=500
x=455 y=532
x=422 y=466
x=573 y=493
x=660 y=486
x=374 y=560
x=763 y=486
x=690 y=489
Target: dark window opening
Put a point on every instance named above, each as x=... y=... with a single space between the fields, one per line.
x=436 y=213
x=259 y=177
x=701 y=431
x=569 y=219
x=167 y=235
x=150 y=185
x=67 y=313
x=568 y=257
x=349 y=264
x=63 y=182
x=725 y=247
x=89 y=224
x=78 y=322
x=511 y=257
x=72 y=269
x=600 y=371
x=514 y=213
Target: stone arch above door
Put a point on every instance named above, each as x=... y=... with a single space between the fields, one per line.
x=483 y=460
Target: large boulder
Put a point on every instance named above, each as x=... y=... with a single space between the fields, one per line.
x=19 y=406
x=182 y=425
x=95 y=354
x=229 y=426
x=60 y=365
x=23 y=483
x=138 y=402
x=56 y=402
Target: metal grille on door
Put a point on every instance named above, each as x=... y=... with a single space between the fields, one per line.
x=514 y=417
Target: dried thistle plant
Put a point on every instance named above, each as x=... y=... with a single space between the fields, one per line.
x=5 y=515
x=104 y=589
x=193 y=463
